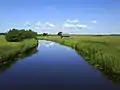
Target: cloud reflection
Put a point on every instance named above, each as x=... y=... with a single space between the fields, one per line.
x=49 y=44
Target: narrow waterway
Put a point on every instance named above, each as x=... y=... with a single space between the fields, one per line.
x=54 y=67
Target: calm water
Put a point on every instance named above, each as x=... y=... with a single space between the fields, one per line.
x=53 y=67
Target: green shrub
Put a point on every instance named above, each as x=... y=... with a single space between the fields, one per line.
x=16 y=35
x=12 y=52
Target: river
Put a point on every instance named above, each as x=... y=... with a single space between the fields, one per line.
x=54 y=67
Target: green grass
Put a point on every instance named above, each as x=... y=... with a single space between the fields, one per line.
x=100 y=51
x=10 y=50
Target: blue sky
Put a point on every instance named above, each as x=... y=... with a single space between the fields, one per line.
x=71 y=16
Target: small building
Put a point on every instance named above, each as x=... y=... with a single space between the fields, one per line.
x=65 y=35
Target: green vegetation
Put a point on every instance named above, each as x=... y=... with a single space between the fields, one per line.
x=8 y=63
x=11 y=50
x=100 y=51
x=16 y=35
x=45 y=34
x=15 y=43
x=2 y=33
x=59 y=33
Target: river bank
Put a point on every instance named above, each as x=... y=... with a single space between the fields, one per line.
x=53 y=66
x=14 y=50
x=101 y=52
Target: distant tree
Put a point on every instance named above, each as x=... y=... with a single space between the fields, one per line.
x=2 y=33
x=16 y=35
x=45 y=34
x=59 y=33
x=13 y=35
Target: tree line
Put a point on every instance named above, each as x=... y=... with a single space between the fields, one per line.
x=16 y=35
x=47 y=34
x=2 y=33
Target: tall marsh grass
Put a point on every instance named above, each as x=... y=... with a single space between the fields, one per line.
x=101 y=52
x=10 y=50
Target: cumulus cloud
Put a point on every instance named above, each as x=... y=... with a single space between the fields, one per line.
x=68 y=25
x=74 y=26
x=81 y=26
x=27 y=24
x=49 y=44
x=72 y=21
x=38 y=24
x=94 y=21
x=47 y=24
x=44 y=26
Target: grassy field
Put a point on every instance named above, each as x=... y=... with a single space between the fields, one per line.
x=103 y=52
x=10 y=50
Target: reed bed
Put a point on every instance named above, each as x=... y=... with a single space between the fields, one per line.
x=101 y=52
x=13 y=50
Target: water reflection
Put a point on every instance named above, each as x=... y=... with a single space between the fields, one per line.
x=49 y=44
x=110 y=76
x=29 y=53
x=51 y=68
x=6 y=65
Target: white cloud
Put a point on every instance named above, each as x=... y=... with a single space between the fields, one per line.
x=47 y=24
x=72 y=21
x=69 y=25
x=74 y=26
x=81 y=26
x=27 y=24
x=94 y=21
x=44 y=26
x=54 y=28
x=38 y=24
x=49 y=44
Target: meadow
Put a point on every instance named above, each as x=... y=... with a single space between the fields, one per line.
x=102 y=52
x=11 y=50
